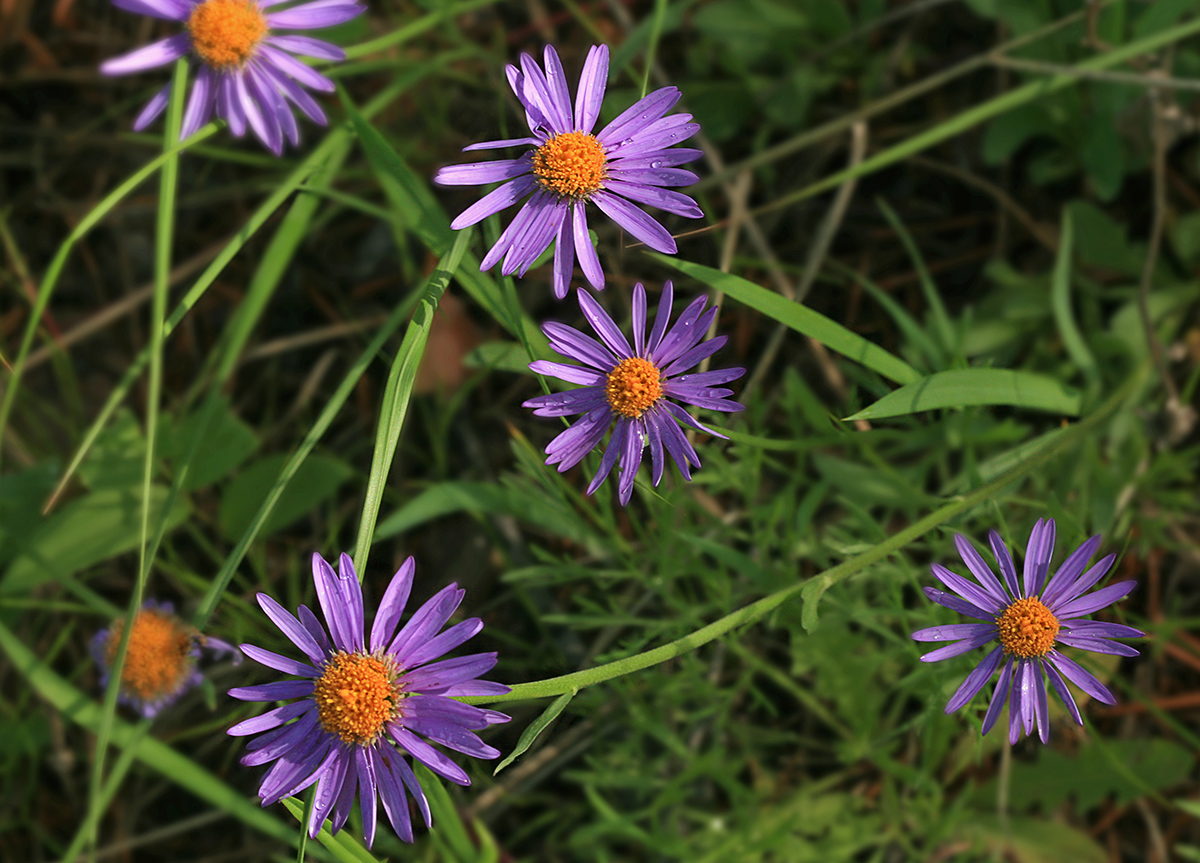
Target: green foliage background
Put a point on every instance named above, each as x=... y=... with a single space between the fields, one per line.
x=982 y=313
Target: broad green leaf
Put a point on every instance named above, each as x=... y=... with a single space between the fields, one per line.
x=530 y=734
x=84 y=532
x=968 y=387
x=801 y=319
x=21 y=496
x=1030 y=840
x=1091 y=776
x=224 y=445
x=314 y=481
x=499 y=356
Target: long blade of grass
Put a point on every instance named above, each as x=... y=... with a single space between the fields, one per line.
x=937 y=308
x=398 y=393
x=163 y=245
x=223 y=577
x=801 y=319
x=1060 y=299
x=966 y=387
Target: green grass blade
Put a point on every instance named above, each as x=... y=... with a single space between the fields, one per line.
x=221 y=581
x=941 y=320
x=336 y=137
x=1060 y=299
x=913 y=331
x=801 y=319
x=965 y=387
x=164 y=240
x=398 y=393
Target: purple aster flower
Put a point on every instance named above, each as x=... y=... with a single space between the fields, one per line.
x=365 y=699
x=246 y=72
x=1027 y=622
x=629 y=160
x=631 y=385
x=160 y=661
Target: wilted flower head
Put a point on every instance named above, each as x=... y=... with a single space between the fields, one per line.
x=160 y=661
x=246 y=71
x=633 y=385
x=629 y=160
x=364 y=699
x=1027 y=623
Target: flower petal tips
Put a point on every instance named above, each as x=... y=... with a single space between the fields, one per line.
x=246 y=74
x=367 y=698
x=633 y=385
x=1028 y=618
x=630 y=160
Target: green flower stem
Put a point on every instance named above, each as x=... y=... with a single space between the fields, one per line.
x=164 y=241
x=812 y=589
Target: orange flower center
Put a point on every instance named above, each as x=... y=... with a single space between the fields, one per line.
x=1027 y=628
x=633 y=386
x=355 y=696
x=226 y=32
x=571 y=164
x=158 y=660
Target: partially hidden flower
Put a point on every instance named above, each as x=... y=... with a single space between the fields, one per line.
x=245 y=70
x=366 y=699
x=633 y=385
x=1028 y=620
x=160 y=660
x=626 y=163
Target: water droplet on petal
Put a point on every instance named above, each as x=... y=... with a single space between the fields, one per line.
x=656 y=164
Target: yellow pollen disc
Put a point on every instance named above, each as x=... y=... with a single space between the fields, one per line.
x=158 y=659
x=633 y=386
x=1027 y=628
x=355 y=696
x=226 y=32
x=571 y=164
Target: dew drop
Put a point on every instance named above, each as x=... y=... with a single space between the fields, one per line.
x=656 y=164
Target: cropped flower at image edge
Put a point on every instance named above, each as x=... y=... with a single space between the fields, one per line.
x=363 y=695
x=629 y=160
x=247 y=73
x=1027 y=623
x=633 y=385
